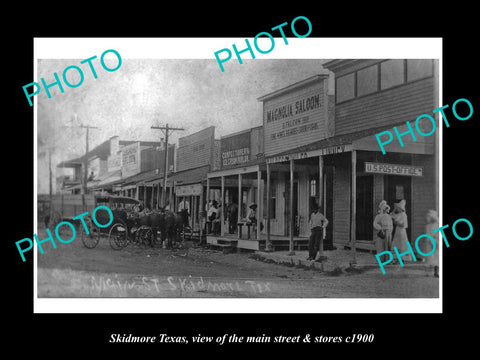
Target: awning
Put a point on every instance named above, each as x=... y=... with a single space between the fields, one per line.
x=109 y=178
x=360 y=140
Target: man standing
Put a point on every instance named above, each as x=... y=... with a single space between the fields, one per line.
x=317 y=222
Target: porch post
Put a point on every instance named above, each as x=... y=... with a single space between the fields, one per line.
x=144 y=195
x=222 y=210
x=259 y=204
x=201 y=209
x=268 y=244
x=239 y=213
x=354 y=206
x=207 y=200
x=320 y=198
x=291 y=251
x=152 y=196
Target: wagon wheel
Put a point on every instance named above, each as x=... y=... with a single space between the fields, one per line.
x=91 y=239
x=54 y=220
x=118 y=236
x=144 y=236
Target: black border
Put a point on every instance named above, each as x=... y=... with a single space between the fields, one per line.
x=88 y=334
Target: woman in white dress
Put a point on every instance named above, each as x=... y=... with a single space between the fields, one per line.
x=383 y=223
x=400 y=238
x=432 y=224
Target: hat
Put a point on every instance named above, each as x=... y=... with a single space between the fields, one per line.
x=432 y=214
x=252 y=205
x=400 y=205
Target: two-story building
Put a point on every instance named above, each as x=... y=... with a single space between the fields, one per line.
x=344 y=170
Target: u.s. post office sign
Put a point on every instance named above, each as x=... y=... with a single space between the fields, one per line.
x=393 y=169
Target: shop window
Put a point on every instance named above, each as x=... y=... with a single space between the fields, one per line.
x=313 y=187
x=345 y=87
x=419 y=68
x=392 y=73
x=367 y=80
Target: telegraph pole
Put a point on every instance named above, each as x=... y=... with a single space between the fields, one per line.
x=85 y=175
x=165 y=129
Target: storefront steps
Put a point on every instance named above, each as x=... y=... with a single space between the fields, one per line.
x=278 y=243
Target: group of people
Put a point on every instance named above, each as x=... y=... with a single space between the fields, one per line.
x=391 y=232
x=214 y=216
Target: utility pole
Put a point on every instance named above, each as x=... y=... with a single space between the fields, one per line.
x=85 y=175
x=165 y=129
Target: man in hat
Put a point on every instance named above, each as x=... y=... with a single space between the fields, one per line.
x=212 y=216
x=383 y=224
x=252 y=216
x=317 y=222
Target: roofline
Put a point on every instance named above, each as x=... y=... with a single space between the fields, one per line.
x=294 y=86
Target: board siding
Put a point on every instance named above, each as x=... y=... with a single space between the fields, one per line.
x=392 y=106
x=424 y=195
x=341 y=201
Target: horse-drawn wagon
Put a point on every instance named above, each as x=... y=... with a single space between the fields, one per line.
x=131 y=223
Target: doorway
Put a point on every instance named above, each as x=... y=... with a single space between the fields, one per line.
x=399 y=188
x=364 y=208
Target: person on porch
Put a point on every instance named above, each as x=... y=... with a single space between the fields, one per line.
x=317 y=224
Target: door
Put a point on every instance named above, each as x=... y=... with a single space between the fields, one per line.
x=327 y=206
x=399 y=188
x=364 y=208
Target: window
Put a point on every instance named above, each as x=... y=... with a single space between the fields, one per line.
x=392 y=73
x=345 y=87
x=367 y=80
x=419 y=68
x=313 y=187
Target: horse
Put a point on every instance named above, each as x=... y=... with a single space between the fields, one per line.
x=174 y=225
x=168 y=223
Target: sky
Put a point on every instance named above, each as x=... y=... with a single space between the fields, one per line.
x=189 y=93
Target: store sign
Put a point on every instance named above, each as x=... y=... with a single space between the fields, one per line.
x=307 y=154
x=188 y=190
x=295 y=118
x=235 y=150
x=195 y=150
x=130 y=159
x=393 y=169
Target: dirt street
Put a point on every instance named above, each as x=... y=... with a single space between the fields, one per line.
x=71 y=270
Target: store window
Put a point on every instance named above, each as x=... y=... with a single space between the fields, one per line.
x=367 y=80
x=419 y=68
x=392 y=73
x=345 y=87
x=313 y=187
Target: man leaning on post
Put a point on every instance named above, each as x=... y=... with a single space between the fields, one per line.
x=317 y=222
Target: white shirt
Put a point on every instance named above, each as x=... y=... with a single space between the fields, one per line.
x=316 y=220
